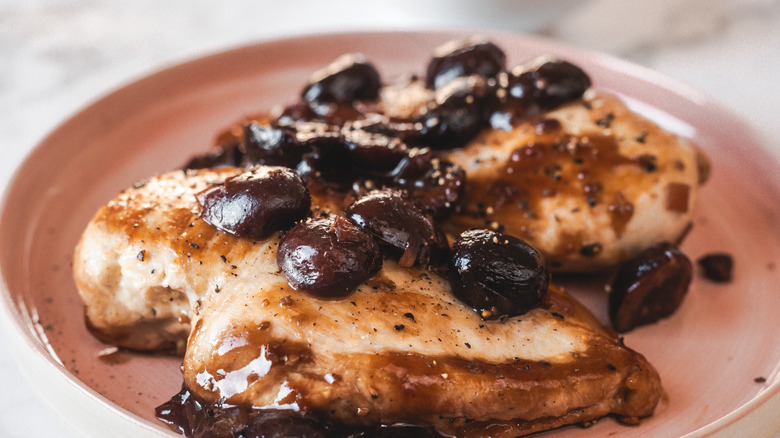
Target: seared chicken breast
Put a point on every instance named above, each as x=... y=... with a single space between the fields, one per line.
x=400 y=348
x=590 y=184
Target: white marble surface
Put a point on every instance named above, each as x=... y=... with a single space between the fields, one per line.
x=57 y=56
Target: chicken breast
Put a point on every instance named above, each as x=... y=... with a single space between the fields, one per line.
x=400 y=348
x=590 y=184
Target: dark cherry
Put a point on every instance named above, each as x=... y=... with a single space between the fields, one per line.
x=349 y=78
x=335 y=115
x=373 y=152
x=511 y=101
x=191 y=417
x=403 y=129
x=227 y=151
x=717 y=267
x=395 y=221
x=497 y=274
x=464 y=58
x=256 y=203
x=225 y=155
x=649 y=287
x=555 y=82
x=316 y=134
x=434 y=184
x=327 y=170
x=520 y=87
x=271 y=146
x=296 y=112
x=328 y=257
x=456 y=115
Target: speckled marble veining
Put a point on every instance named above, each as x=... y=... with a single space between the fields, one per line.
x=57 y=56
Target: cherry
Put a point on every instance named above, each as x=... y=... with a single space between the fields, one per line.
x=328 y=257
x=373 y=152
x=256 y=203
x=555 y=82
x=434 y=184
x=497 y=274
x=396 y=222
x=464 y=58
x=349 y=78
x=271 y=146
x=717 y=267
x=456 y=115
x=225 y=155
x=649 y=287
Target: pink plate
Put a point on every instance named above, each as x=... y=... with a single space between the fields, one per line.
x=718 y=356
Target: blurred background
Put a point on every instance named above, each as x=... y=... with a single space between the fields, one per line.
x=58 y=56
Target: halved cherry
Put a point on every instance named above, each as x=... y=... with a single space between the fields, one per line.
x=401 y=226
x=649 y=287
x=256 y=203
x=328 y=257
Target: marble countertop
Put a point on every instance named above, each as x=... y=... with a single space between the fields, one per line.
x=57 y=56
